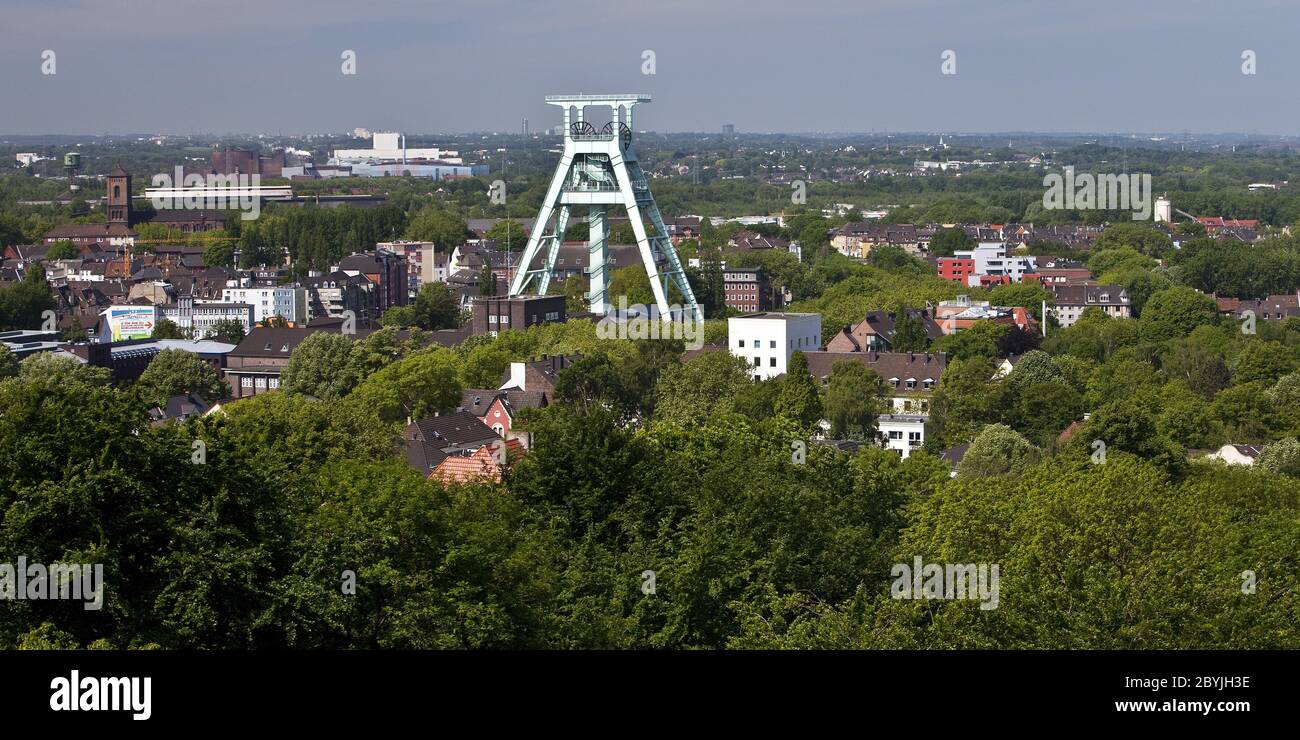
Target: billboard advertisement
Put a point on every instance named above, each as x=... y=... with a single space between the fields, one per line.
x=128 y=322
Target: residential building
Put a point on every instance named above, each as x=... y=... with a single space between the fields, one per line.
x=537 y=375
x=991 y=258
x=1272 y=308
x=767 y=340
x=485 y=465
x=961 y=314
x=255 y=365
x=956 y=269
x=199 y=316
x=747 y=289
x=497 y=409
x=286 y=302
x=178 y=408
x=338 y=292
x=113 y=234
x=387 y=270
x=1060 y=276
x=1072 y=300
x=876 y=332
x=858 y=240
x=431 y=440
x=909 y=381
x=424 y=263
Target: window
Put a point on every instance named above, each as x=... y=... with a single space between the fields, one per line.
x=274 y=383
x=757 y=344
x=246 y=382
x=758 y=362
x=260 y=383
x=895 y=435
x=773 y=344
x=771 y=362
x=741 y=344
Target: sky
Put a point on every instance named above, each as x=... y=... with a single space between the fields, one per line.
x=427 y=67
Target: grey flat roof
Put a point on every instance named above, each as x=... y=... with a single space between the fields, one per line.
x=777 y=315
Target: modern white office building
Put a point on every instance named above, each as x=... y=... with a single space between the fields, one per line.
x=767 y=340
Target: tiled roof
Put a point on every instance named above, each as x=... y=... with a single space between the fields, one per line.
x=918 y=366
x=482 y=465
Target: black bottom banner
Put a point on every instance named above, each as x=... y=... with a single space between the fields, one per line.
x=1002 y=689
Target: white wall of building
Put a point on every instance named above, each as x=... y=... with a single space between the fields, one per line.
x=388 y=146
x=991 y=258
x=768 y=340
x=287 y=303
x=902 y=433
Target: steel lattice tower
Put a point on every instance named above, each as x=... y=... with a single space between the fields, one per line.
x=599 y=169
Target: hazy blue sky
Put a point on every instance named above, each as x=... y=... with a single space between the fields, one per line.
x=182 y=66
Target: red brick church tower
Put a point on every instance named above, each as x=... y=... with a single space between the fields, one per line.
x=119 y=197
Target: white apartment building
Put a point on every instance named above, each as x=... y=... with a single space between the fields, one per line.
x=288 y=303
x=200 y=316
x=767 y=340
x=991 y=258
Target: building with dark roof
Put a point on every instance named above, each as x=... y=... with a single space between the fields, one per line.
x=387 y=270
x=255 y=365
x=876 y=332
x=178 y=408
x=430 y=440
x=537 y=375
x=492 y=314
x=1073 y=299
